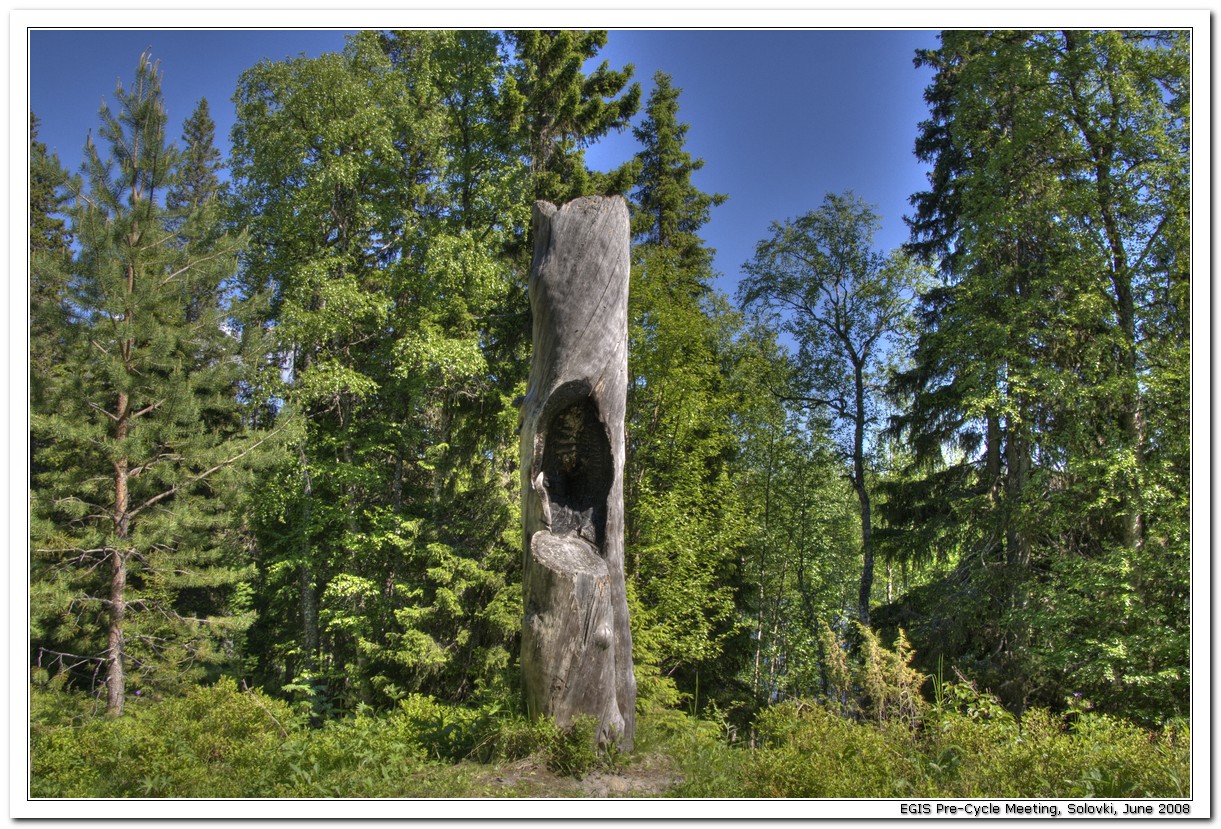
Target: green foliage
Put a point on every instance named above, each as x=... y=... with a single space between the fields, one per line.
x=809 y=751
x=213 y=742
x=140 y=449
x=970 y=747
x=573 y=752
x=388 y=554
x=980 y=749
x=561 y=110
x=219 y=741
x=803 y=559
x=710 y=766
x=1036 y=431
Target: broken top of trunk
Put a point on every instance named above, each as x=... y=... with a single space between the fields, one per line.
x=576 y=641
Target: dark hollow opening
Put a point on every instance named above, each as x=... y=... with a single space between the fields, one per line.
x=577 y=471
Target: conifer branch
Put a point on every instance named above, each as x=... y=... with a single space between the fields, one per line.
x=98 y=408
x=201 y=476
x=222 y=252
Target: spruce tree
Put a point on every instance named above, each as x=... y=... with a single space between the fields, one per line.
x=49 y=258
x=48 y=232
x=563 y=110
x=138 y=557
x=199 y=181
x=1056 y=200
x=685 y=517
x=669 y=210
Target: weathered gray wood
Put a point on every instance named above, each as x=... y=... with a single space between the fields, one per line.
x=576 y=641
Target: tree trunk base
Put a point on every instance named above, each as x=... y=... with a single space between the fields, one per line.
x=568 y=658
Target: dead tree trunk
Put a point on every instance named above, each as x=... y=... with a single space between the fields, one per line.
x=576 y=642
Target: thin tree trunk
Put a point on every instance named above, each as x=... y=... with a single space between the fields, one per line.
x=992 y=454
x=767 y=513
x=862 y=494
x=116 y=679
x=305 y=574
x=866 y=553
x=1017 y=461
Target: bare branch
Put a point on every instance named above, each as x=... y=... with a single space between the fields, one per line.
x=98 y=408
x=171 y=277
x=147 y=409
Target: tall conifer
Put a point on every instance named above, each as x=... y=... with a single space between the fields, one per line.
x=137 y=555
x=1056 y=200
x=564 y=110
x=48 y=263
x=199 y=182
x=669 y=210
x=685 y=517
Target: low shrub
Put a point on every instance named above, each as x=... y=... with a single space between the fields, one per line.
x=967 y=746
x=707 y=762
x=220 y=741
x=810 y=751
x=215 y=741
x=976 y=748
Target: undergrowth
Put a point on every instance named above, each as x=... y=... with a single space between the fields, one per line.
x=871 y=736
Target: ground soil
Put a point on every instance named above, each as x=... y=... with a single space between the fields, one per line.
x=648 y=776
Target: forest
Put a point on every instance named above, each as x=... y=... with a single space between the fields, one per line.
x=909 y=522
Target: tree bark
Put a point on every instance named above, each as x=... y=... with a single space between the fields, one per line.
x=862 y=494
x=576 y=640
x=305 y=574
x=116 y=678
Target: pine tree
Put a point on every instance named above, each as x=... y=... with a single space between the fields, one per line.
x=138 y=559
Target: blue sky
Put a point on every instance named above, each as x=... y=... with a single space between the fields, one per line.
x=781 y=118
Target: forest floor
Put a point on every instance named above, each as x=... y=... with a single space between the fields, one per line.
x=652 y=775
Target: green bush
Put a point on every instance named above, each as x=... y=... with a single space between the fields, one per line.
x=809 y=751
x=360 y=756
x=966 y=746
x=977 y=749
x=213 y=742
x=219 y=741
x=709 y=765
x=573 y=752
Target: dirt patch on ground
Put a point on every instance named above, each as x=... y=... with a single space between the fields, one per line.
x=650 y=776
